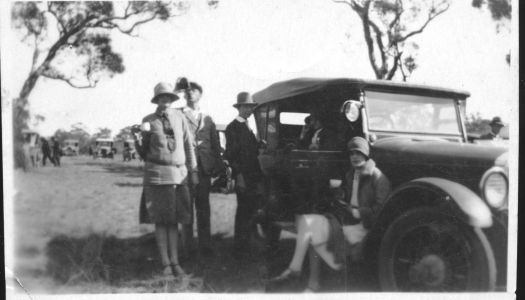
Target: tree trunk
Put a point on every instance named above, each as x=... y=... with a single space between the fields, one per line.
x=28 y=86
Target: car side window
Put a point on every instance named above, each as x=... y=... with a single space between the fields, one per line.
x=291 y=124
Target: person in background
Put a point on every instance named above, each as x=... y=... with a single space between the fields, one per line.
x=340 y=231
x=55 y=151
x=26 y=151
x=209 y=161
x=167 y=148
x=495 y=127
x=241 y=154
x=322 y=138
x=307 y=133
x=46 y=152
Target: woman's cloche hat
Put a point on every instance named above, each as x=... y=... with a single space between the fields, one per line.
x=359 y=144
x=163 y=88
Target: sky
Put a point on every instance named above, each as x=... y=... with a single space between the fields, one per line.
x=246 y=45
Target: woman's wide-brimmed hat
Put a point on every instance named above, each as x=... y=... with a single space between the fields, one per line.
x=163 y=88
x=244 y=98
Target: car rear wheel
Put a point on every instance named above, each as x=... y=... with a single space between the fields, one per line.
x=428 y=249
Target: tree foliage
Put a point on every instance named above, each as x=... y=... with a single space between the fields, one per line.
x=124 y=134
x=501 y=12
x=102 y=132
x=389 y=27
x=78 y=132
x=71 y=41
x=475 y=124
x=499 y=9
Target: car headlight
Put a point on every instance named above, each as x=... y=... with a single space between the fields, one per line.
x=494 y=187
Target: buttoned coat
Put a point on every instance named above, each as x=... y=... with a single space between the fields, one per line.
x=242 y=151
x=163 y=166
x=206 y=143
x=373 y=189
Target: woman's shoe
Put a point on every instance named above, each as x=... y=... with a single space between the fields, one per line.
x=166 y=270
x=312 y=289
x=178 y=270
x=288 y=274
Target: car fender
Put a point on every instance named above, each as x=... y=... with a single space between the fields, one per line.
x=472 y=209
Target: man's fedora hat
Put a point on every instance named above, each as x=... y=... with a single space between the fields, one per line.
x=163 y=88
x=244 y=98
x=496 y=121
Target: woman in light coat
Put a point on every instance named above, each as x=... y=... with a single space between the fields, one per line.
x=166 y=146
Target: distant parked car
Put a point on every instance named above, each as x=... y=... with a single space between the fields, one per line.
x=104 y=148
x=70 y=147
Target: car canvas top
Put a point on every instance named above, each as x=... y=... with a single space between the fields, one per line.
x=299 y=86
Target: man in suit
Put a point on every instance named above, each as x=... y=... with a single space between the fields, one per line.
x=46 y=152
x=209 y=161
x=241 y=153
x=55 y=151
x=322 y=138
x=495 y=127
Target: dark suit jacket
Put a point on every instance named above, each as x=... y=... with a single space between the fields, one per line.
x=206 y=143
x=327 y=140
x=242 y=151
x=488 y=136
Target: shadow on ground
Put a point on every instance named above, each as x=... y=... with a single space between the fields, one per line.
x=118 y=262
x=117 y=167
x=128 y=184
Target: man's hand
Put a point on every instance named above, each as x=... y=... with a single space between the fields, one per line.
x=239 y=182
x=355 y=212
x=194 y=178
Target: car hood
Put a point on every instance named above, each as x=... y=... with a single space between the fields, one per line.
x=439 y=151
x=404 y=159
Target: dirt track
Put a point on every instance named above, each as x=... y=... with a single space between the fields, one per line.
x=77 y=230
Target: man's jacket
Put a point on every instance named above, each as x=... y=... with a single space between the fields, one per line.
x=242 y=150
x=206 y=143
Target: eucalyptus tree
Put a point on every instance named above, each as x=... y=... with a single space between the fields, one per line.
x=388 y=29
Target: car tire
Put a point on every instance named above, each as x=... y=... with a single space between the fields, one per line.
x=429 y=249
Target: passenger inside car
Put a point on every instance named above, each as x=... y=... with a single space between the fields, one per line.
x=306 y=133
x=322 y=138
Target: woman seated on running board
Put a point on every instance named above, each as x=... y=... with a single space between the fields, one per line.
x=364 y=189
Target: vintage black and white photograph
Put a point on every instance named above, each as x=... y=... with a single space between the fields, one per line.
x=260 y=147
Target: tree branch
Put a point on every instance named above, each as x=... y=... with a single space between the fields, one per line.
x=345 y=2
x=380 y=46
x=397 y=61
x=130 y=30
x=36 y=54
x=62 y=27
x=431 y=16
x=399 y=12
x=68 y=81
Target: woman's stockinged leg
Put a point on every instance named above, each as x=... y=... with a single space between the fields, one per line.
x=327 y=256
x=173 y=241
x=315 y=270
x=302 y=243
x=161 y=236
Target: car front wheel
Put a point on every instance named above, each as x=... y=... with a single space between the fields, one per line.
x=428 y=249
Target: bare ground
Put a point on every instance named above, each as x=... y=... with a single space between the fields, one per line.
x=77 y=231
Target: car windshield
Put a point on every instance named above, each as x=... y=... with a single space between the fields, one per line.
x=411 y=114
